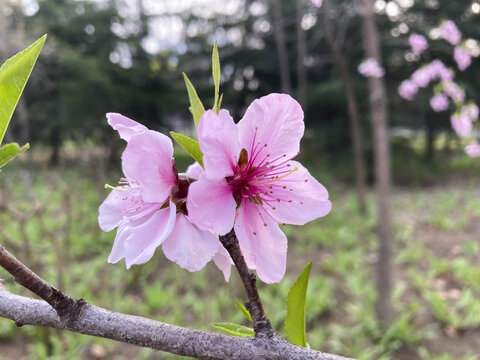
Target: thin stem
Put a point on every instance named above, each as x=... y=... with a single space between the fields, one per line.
x=261 y=324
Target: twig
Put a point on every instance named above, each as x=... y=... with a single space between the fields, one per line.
x=261 y=324
x=66 y=307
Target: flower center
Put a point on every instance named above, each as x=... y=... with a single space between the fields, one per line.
x=178 y=193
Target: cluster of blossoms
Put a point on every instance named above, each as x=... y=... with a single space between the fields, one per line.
x=422 y=77
x=248 y=182
x=371 y=68
x=448 y=31
x=465 y=114
x=418 y=43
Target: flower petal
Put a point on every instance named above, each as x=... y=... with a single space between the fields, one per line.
x=218 y=138
x=188 y=246
x=298 y=198
x=110 y=213
x=194 y=171
x=223 y=261
x=275 y=122
x=118 y=249
x=211 y=205
x=148 y=161
x=261 y=236
x=126 y=127
x=147 y=235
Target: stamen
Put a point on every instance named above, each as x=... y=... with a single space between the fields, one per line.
x=107 y=186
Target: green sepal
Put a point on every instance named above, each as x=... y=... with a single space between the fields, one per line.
x=190 y=145
x=10 y=151
x=233 y=329
x=216 y=77
x=14 y=74
x=196 y=106
x=296 y=308
x=244 y=310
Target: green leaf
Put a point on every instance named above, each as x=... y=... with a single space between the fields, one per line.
x=216 y=76
x=10 y=151
x=233 y=329
x=196 y=106
x=190 y=145
x=295 y=321
x=244 y=310
x=14 y=74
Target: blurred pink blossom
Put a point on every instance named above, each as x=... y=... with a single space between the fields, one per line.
x=451 y=89
x=418 y=43
x=422 y=77
x=148 y=206
x=471 y=110
x=440 y=71
x=317 y=3
x=473 y=149
x=449 y=32
x=461 y=123
x=408 y=89
x=252 y=183
x=371 y=68
x=439 y=102
x=462 y=57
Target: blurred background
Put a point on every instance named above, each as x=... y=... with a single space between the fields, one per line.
x=128 y=56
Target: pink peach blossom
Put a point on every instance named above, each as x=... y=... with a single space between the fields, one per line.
x=439 y=102
x=371 y=68
x=407 y=89
x=418 y=43
x=462 y=57
x=461 y=123
x=252 y=184
x=449 y=32
x=473 y=149
x=148 y=207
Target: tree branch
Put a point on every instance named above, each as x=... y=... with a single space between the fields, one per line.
x=79 y=316
x=261 y=324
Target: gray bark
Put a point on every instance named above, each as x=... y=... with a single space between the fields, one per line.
x=95 y=321
x=378 y=111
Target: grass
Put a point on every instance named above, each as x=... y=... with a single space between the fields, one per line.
x=53 y=228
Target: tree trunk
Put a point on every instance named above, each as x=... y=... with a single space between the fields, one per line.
x=378 y=111
x=352 y=109
x=281 y=45
x=301 y=54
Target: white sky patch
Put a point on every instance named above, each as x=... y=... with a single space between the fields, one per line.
x=308 y=21
x=392 y=10
x=473 y=47
x=475 y=7
x=405 y=4
x=379 y=6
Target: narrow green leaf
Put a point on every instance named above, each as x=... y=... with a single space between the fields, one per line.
x=220 y=102
x=244 y=310
x=14 y=74
x=196 y=106
x=296 y=304
x=10 y=151
x=233 y=329
x=190 y=145
x=216 y=76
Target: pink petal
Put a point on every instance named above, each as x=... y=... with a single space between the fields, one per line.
x=188 y=246
x=302 y=200
x=260 y=235
x=218 y=138
x=194 y=171
x=223 y=261
x=126 y=127
x=146 y=236
x=211 y=205
x=118 y=249
x=274 y=121
x=148 y=161
x=110 y=213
